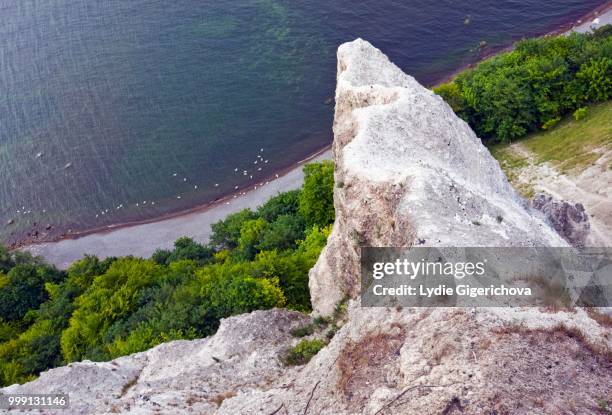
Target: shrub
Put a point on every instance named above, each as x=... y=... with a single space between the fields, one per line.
x=303 y=331
x=580 y=113
x=303 y=352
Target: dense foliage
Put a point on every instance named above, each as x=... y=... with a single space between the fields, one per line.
x=533 y=86
x=99 y=310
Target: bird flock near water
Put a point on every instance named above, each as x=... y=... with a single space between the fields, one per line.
x=259 y=160
x=258 y=165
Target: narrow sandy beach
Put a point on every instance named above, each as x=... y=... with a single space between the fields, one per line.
x=143 y=240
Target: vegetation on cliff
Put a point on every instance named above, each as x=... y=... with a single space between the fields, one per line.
x=533 y=86
x=101 y=309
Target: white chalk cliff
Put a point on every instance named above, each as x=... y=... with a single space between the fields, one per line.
x=408 y=172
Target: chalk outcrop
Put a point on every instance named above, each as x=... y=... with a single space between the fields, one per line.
x=408 y=172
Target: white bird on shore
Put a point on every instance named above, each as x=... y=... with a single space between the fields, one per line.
x=255 y=162
x=276 y=176
x=236 y=187
x=596 y=20
x=137 y=204
x=39 y=155
x=261 y=149
x=174 y=174
x=236 y=169
x=251 y=176
x=266 y=161
x=184 y=179
x=259 y=169
x=216 y=184
x=195 y=187
x=178 y=197
x=97 y=216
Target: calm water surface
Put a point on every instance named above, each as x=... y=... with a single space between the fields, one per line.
x=115 y=110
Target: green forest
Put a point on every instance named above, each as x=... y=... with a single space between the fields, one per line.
x=533 y=86
x=102 y=309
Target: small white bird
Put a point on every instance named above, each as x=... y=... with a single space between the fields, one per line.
x=255 y=162
x=184 y=179
x=236 y=169
x=236 y=187
x=259 y=169
x=261 y=150
x=216 y=184
x=178 y=197
x=195 y=187
x=174 y=174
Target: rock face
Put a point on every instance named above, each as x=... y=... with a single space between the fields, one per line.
x=570 y=220
x=408 y=172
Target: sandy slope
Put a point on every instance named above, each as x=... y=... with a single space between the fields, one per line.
x=591 y=187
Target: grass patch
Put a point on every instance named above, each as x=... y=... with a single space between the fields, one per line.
x=302 y=352
x=303 y=331
x=569 y=146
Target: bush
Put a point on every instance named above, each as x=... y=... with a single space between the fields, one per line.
x=303 y=331
x=580 y=113
x=303 y=352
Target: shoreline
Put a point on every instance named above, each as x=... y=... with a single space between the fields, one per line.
x=202 y=208
x=144 y=239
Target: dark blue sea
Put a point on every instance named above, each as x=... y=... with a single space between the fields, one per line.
x=123 y=110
